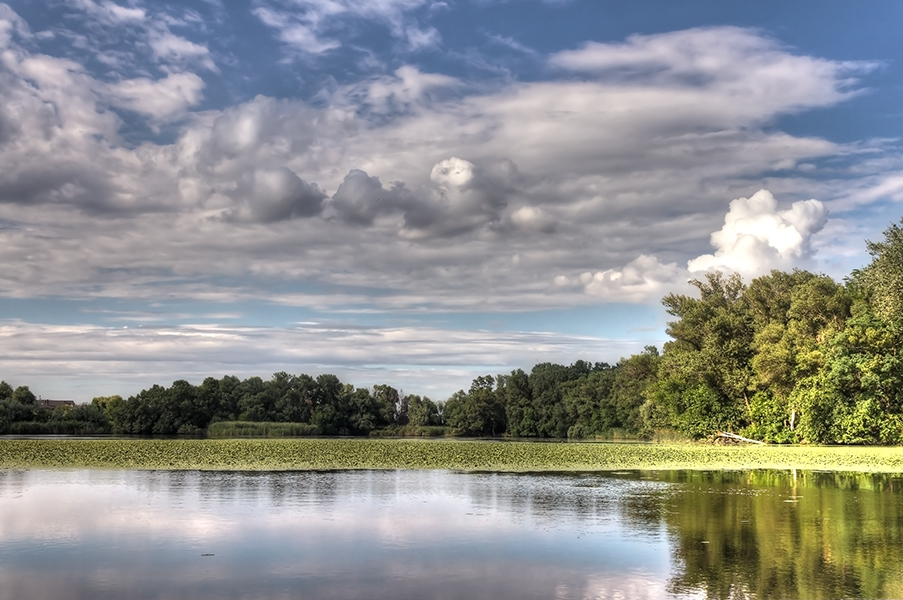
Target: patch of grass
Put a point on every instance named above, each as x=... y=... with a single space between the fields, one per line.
x=415 y=431
x=234 y=429
x=466 y=455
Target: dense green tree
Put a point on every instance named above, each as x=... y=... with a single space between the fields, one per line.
x=257 y=401
x=857 y=396
x=705 y=373
x=795 y=314
x=393 y=406
x=23 y=395
x=587 y=404
x=365 y=412
x=882 y=279
x=633 y=380
x=479 y=412
x=422 y=412
x=514 y=392
x=295 y=401
x=549 y=414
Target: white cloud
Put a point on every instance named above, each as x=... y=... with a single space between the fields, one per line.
x=642 y=279
x=11 y=23
x=110 y=24
x=408 y=87
x=110 y=12
x=757 y=237
x=755 y=69
x=533 y=219
x=422 y=38
x=169 y=48
x=306 y=25
x=162 y=99
x=300 y=36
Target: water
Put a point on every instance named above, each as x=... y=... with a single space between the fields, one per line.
x=444 y=535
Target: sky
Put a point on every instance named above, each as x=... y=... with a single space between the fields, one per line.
x=417 y=192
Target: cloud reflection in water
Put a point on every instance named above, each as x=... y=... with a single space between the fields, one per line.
x=126 y=534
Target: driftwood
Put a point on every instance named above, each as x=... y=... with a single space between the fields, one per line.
x=733 y=437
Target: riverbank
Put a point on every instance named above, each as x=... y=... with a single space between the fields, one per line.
x=466 y=455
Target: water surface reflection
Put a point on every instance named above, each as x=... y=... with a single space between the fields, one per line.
x=434 y=534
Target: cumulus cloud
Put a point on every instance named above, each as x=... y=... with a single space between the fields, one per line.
x=271 y=195
x=642 y=279
x=756 y=237
x=361 y=198
x=461 y=197
x=464 y=197
x=533 y=219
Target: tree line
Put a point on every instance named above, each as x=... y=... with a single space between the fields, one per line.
x=789 y=357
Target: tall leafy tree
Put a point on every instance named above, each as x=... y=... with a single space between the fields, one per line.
x=883 y=278
x=794 y=315
x=706 y=372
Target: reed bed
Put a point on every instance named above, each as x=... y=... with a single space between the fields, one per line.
x=464 y=455
x=234 y=429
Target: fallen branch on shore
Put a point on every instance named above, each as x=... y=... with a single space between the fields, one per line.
x=726 y=435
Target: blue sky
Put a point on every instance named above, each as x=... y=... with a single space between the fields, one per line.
x=417 y=192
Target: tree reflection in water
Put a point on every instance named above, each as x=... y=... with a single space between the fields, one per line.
x=769 y=534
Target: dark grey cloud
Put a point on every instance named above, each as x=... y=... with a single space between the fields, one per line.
x=271 y=195
x=361 y=198
x=460 y=198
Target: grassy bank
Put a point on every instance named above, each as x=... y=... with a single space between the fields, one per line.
x=328 y=454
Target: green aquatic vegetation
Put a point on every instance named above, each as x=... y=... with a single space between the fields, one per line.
x=467 y=455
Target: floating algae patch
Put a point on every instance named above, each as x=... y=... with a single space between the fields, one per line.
x=465 y=455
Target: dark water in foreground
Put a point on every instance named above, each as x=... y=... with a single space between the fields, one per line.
x=430 y=534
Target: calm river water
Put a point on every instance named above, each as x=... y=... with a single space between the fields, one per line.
x=444 y=535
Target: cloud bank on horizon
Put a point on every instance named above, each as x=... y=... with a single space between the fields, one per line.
x=388 y=166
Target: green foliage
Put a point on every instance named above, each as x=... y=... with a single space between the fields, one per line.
x=882 y=280
x=423 y=412
x=769 y=421
x=479 y=412
x=705 y=374
x=17 y=406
